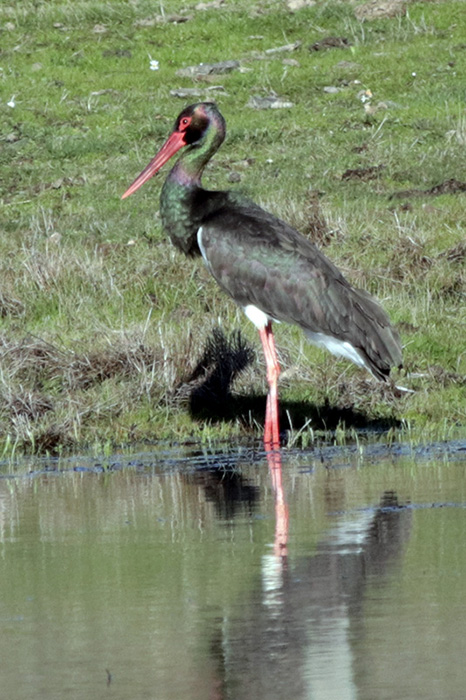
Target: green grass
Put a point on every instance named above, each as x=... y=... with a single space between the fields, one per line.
x=102 y=322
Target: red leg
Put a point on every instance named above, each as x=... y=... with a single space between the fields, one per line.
x=272 y=431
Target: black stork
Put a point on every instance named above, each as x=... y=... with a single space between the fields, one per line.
x=269 y=269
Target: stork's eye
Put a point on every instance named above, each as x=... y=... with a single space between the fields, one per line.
x=192 y=127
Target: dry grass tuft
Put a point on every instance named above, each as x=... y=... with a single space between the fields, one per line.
x=442 y=377
x=361 y=390
x=26 y=404
x=10 y=307
x=409 y=257
x=48 y=394
x=96 y=367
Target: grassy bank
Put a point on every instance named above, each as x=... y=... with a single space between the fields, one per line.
x=107 y=334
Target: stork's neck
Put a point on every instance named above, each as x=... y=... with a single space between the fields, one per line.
x=183 y=202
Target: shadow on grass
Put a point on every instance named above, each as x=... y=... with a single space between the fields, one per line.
x=208 y=391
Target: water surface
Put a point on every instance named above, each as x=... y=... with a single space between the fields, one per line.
x=172 y=578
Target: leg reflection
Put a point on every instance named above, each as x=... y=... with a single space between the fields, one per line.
x=274 y=461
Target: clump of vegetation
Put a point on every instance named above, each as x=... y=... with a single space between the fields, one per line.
x=103 y=325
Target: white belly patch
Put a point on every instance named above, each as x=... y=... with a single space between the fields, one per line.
x=337 y=347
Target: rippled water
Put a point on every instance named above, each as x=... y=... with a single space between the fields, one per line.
x=174 y=576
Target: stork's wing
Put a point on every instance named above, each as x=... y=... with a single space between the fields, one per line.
x=258 y=259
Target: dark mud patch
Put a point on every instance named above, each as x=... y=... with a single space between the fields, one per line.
x=451 y=186
x=330 y=42
x=208 y=69
x=455 y=255
x=363 y=174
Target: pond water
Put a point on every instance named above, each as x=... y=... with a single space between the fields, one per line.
x=215 y=576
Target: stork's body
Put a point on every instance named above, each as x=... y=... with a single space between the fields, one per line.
x=266 y=266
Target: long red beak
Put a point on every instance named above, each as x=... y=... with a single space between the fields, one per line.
x=169 y=148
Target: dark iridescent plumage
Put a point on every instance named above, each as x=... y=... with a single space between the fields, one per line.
x=259 y=260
